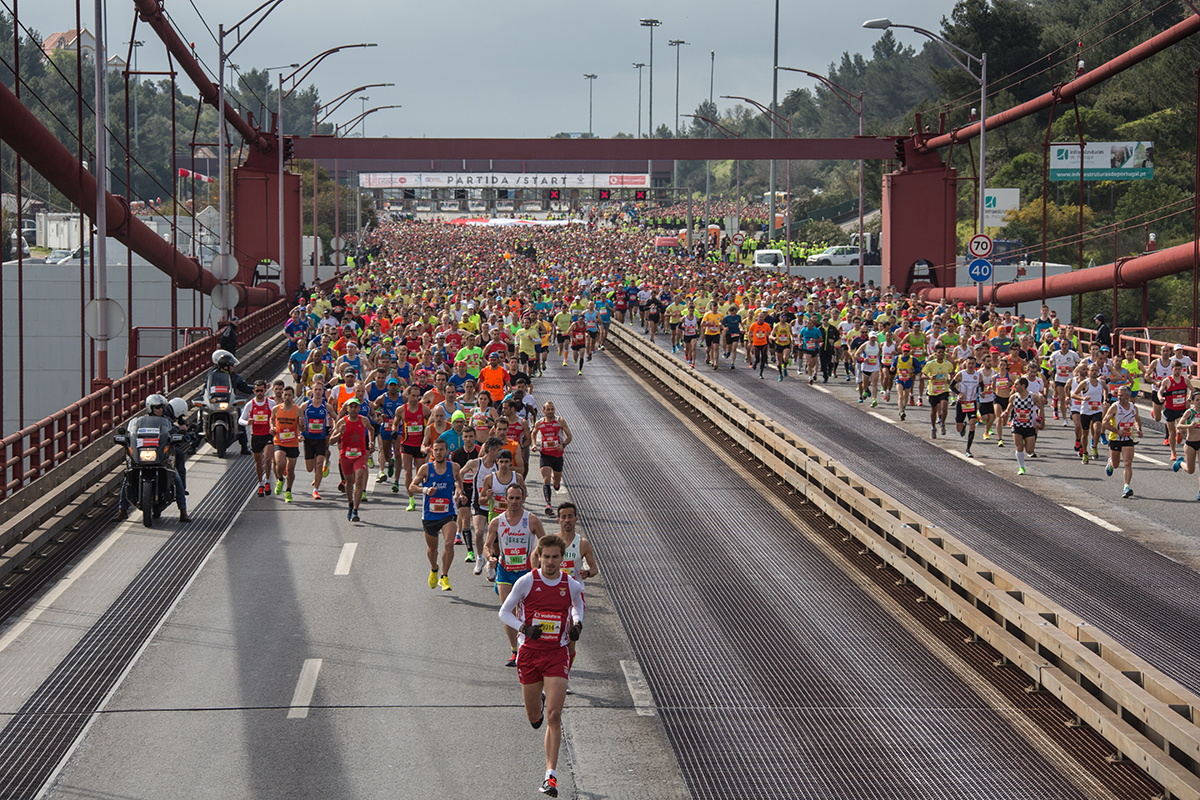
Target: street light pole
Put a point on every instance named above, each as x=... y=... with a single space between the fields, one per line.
x=838 y=91
x=590 y=77
x=712 y=66
x=364 y=99
x=651 y=24
x=638 y=66
x=136 y=80
x=677 y=44
x=774 y=110
x=981 y=60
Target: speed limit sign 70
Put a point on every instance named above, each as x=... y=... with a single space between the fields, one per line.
x=980 y=246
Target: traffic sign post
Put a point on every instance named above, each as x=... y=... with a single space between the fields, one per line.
x=980 y=270
x=980 y=246
x=738 y=239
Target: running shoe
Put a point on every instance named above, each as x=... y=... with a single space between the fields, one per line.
x=383 y=476
x=933 y=432
x=549 y=786
x=1176 y=464
x=262 y=490
x=943 y=429
x=512 y=661
x=491 y=571
x=1179 y=437
x=1108 y=470
x=279 y=486
x=478 y=565
x=355 y=518
x=969 y=454
x=458 y=537
x=1167 y=442
x=781 y=381
x=887 y=396
x=316 y=495
x=433 y=579
x=903 y=416
x=1085 y=458
x=556 y=485
x=371 y=461
x=862 y=397
x=287 y=496
x=920 y=402
x=1000 y=443
x=580 y=371
x=987 y=434
x=733 y=366
x=325 y=471
x=1033 y=455
x=1056 y=415
x=1066 y=423
x=874 y=403
x=391 y=469
x=1094 y=453
x=396 y=488
x=350 y=513
x=549 y=511
x=341 y=486
x=1103 y=440
x=470 y=557
x=412 y=504
x=1020 y=470
x=962 y=431
x=1127 y=493
x=444 y=583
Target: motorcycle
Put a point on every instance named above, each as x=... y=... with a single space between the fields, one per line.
x=219 y=408
x=149 y=444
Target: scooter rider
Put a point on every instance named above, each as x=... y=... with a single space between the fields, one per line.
x=156 y=406
x=225 y=362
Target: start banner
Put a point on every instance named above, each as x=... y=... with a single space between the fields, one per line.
x=500 y=180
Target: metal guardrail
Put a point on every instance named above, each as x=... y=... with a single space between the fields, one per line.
x=1149 y=718
x=142 y=337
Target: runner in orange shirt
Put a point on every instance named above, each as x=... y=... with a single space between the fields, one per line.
x=285 y=419
x=760 y=340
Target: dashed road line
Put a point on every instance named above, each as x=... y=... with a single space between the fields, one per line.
x=345 y=559
x=305 y=686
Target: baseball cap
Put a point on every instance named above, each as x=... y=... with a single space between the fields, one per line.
x=353 y=400
x=906 y=347
x=994 y=350
x=494 y=354
x=390 y=381
x=1178 y=347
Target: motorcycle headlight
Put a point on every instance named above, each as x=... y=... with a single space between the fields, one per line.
x=147 y=454
x=222 y=406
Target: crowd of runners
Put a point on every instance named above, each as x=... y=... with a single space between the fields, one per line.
x=419 y=370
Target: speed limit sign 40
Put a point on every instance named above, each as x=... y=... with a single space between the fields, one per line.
x=980 y=246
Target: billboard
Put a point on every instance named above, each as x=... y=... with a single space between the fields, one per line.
x=498 y=180
x=1102 y=161
x=997 y=203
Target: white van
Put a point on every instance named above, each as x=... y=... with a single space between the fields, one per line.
x=769 y=259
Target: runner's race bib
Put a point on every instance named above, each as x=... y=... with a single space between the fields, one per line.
x=551 y=624
x=515 y=559
x=968 y=406
x=439 y=505
x=316 y=425
x=287 y=436
x=353 y=453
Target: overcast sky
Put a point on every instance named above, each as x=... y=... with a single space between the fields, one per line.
x=483 y=69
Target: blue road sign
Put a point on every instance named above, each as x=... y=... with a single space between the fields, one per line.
x=980 y=270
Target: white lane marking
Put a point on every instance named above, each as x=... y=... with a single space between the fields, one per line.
x=59 y=588
x=639 y=689
x=888 y=420
x=138 y=655
x=1151 y=460
x=1103 y=523
x=963 y=456
x=821 y=389
x=345 y=559
x=305 y=686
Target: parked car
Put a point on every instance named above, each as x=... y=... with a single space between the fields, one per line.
x=57 y=256
x=838 y=256
x=19 y=241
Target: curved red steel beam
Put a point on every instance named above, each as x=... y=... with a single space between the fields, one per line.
x=1126 y=273
x=1069 y=90
x=150 y=13
x=22 y=131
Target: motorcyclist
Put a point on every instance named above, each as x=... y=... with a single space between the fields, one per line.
x=178 y=409
x=156 y=406
x=225 y=362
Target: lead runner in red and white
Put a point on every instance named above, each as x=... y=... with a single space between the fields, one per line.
x=545 y=607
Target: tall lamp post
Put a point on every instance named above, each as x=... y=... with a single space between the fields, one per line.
x=651 y=24
x=638 y=66
x=784 y=124
x=295 y=78
x=981 y=79
x=137 y=78
x=845 y=95
x=712 y=67
x=729 y=134
x=590 y=77
x=775 y=110
x=677 y=44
